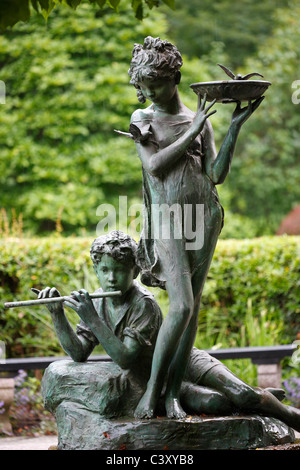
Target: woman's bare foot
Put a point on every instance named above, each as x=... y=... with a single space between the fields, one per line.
x=174 y=409
x=146 y=407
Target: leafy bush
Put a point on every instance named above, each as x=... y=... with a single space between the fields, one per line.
x=251 y=296
x=253 y=290
x=67 y=90
x=27 y=263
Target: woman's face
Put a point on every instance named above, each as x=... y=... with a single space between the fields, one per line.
x=159 y=90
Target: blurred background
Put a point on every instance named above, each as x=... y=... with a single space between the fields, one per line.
x=67 y=89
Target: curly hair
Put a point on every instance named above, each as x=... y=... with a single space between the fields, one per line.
x=116 y=244
x=154 y=59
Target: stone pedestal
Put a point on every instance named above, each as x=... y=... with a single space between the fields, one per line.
x=89 y=401
x=6 y=399
x=80 y=429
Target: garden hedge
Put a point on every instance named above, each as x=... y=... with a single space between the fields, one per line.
x=260 y=276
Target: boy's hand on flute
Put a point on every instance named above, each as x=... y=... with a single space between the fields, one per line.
x=81 y=302
x=48 y=292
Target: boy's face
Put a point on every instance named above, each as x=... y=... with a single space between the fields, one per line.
x=113 y=275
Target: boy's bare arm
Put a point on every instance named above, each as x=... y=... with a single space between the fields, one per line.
x=77 y=347
x=122 y=353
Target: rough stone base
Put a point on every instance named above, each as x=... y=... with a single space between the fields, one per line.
x=87 y=400
x=80 y=429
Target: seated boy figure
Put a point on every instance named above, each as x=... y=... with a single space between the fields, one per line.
x=127 y=328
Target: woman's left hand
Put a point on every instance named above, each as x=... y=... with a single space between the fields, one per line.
x=240 y=115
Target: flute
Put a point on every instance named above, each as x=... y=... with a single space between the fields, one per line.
x=49 y=300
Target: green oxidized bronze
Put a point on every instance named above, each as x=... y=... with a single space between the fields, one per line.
x=180 y=166
x=240 y=88
x=128 y=327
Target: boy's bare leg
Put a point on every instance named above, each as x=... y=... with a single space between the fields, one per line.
x=250 y=399
x=197 y=399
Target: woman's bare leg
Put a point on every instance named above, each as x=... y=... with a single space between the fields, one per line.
x=178 y=368
x=180 y=361
x=173 y=327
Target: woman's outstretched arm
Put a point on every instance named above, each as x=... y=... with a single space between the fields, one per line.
x=217 y=166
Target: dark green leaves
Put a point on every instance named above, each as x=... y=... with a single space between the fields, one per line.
x=258 y=277
x=114 y=3
x=67 y=90
x=13 y=11
x=73 y=3
x=170 y=3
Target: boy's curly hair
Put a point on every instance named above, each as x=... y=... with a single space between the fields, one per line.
x=154 y=59
x=116 y=244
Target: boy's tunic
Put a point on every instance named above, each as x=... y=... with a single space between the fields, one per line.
x=140 y=318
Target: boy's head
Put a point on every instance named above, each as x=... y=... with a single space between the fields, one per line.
x=114 y=260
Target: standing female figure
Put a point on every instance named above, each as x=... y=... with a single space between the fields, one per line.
x=180 y=167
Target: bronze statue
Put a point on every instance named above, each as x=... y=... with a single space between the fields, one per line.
x=180 y=166
x=127 y=327
x=155 y=367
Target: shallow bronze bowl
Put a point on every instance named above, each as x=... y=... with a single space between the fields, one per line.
x=231 y=90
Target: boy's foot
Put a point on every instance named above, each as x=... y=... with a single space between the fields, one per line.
x=279 y=393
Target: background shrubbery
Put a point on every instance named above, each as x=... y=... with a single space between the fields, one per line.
x=67 y=89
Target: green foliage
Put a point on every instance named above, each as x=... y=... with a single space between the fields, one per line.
x=14 y=11
x=265 y=173
x=251 y=296
x=253 y=289
x=27 y=412
x=263 y=185
x=240 y=27
x=67 y=90
x=26 y=263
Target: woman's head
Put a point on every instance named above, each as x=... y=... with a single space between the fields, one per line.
x=156 y=60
